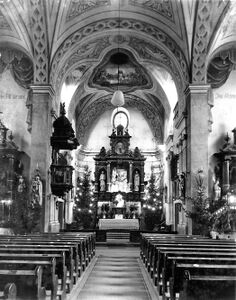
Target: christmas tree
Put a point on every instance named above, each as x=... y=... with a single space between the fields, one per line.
x=85 y=205
x=153 y=202
x=207 y=214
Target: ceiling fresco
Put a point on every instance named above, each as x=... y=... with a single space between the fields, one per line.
x=120 y=70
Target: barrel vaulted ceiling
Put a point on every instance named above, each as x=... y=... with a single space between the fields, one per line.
x=72 y=41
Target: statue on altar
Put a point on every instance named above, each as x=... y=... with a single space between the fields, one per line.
x=119 y=180
x=120 y=200
x=136 y=181
x=102 y=181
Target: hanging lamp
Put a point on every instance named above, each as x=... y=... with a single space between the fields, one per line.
x=118 y=98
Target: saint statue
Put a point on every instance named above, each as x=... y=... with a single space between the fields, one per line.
x=102 y=179
x=37 y=190
x=21 y=184
x=136 y=181
x=217 y=190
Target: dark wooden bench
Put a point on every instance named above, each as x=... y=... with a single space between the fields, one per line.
x=150 y=261
x=35 y=290
x=84 y=244
x=197 y=272
x=162 y=253
x=50 y=279
x=155 y=252
x=61 y=268
x=72 y=260
x=8 y=291
x=72 y=253
x=199 y=259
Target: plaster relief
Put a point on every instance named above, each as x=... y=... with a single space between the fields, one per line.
x=78 y=7
x=164 y=8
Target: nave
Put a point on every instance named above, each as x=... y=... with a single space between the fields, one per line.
x=116 y=273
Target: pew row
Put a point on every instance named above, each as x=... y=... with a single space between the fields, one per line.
x=174 y=262
x=61 y=258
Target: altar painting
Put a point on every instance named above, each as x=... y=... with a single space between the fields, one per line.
x=119 y=181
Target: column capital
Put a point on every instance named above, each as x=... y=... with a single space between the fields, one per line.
x=197 y=89
x=43 y=89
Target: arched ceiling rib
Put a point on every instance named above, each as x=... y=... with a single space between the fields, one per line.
x=92 y=111
x=167 y=15
x=14 y=24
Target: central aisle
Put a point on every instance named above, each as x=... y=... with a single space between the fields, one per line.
x=117 y=273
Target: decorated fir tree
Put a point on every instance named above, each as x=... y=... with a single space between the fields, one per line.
x=153 y=202
x=84 y=207
x=207 y=214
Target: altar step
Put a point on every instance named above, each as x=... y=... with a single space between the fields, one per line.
x=119 y=237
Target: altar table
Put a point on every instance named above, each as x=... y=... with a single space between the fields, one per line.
x=129 y=224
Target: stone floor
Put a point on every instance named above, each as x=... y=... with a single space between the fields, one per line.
x=115 y=273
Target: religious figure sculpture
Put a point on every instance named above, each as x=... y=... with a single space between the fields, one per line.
x=37 y=190
x=102 y=179
x=136 y=181
x=217 y=190
x=120 y=200
x=119 y=180
x=21 y=184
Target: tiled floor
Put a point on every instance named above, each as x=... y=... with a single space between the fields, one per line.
x=117 y=273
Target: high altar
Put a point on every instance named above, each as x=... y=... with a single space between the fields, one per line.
x=119 y=174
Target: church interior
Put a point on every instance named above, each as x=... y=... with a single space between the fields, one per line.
x=117 y=149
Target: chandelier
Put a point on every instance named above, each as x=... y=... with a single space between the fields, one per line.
x=118 y=98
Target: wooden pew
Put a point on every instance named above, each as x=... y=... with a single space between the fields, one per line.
x=78 y=249
x=199 y=259
x=50 y=279
x=150 y=261
x=153 y=246
x=72 y=260
x=162 y=253
x=215 y=272
x=8 y=291
x=61 y=265
x=38 y=291
x=82 y=255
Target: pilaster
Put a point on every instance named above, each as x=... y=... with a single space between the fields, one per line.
x=42 y=99
x=198 y=105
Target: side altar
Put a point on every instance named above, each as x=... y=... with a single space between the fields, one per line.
x=119 y=176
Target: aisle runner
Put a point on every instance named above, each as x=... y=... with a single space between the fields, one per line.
x=114 y=278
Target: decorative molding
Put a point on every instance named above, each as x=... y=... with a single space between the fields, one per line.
x=39 y=42
x=78 y=7
x=111 y=24
x=87 y=51
x=163 y=8
x=43 y=89
x=201 y=39
x=149 y=51
x=3 y=22
x=181 y=118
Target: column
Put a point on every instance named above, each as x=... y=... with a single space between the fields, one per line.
x=226 y=183
x=42 y=104
x=142 y=178
x=198 y=104
x=130 y=176
x=108 y=177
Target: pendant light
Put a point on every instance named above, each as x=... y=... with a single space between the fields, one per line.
x=118 y=98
